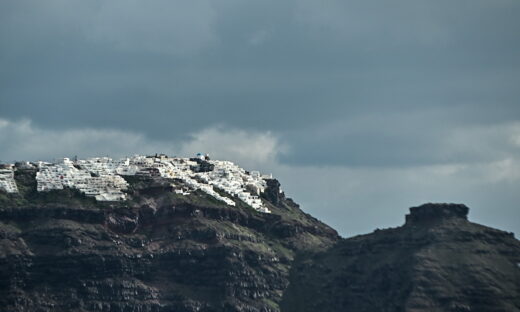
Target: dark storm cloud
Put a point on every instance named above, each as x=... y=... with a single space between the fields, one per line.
x=268 y=65
x=286 y=64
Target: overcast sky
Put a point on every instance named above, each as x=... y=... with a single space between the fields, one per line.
x=361 y=108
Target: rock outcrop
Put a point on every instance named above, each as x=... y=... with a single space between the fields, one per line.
x=437 y=261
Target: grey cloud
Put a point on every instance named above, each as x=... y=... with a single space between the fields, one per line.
x=91 y=56
x=22 y=140
x=402 y=139
x=158 y=26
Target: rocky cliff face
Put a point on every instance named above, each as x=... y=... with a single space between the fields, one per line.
x=162 y=251
x=437 y=261
x=158 y=251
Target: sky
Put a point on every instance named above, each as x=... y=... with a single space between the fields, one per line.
x=361 y=108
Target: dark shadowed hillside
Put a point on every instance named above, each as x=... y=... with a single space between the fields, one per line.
x=437 y=261
x=163 y=250
x=157 y=251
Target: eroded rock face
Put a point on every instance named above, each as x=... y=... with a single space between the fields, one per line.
x=160 y=251
x=273 y=192
x=432 y=213
x=437 y=261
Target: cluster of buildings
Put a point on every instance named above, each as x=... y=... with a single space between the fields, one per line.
x=91 y=180
x=7 y=182
x=237 y=182
x=102 y=177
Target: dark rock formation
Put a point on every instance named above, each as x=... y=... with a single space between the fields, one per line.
x=158 y=251
x=433 y=213
x=437 y=261
x=162 y=251
x=273 y=192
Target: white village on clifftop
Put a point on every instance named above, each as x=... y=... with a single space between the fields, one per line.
x=102 y=177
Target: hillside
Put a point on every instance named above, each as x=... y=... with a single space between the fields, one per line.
x=437 y=261
x=157 y=234
x=156 y=250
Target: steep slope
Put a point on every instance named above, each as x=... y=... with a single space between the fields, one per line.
x=437 y=261
x=157 y=251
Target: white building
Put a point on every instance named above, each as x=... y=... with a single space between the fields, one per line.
x=101 y=177
x=7 y=182
x=99 y=181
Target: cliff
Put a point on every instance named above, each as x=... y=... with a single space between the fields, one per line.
x=156 y=251
x=164 y=250
x=436 y=261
